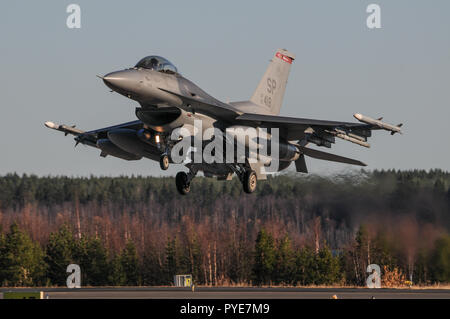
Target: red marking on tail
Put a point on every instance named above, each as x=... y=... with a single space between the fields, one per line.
x=283 y=57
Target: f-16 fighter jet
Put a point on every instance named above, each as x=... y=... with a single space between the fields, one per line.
x=169 y=102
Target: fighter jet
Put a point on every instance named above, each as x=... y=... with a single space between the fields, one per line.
x=168 y=101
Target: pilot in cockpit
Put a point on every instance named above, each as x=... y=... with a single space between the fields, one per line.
x=157 y=63
x=153 y=64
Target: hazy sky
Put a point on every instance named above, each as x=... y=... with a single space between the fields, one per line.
x=401 y=72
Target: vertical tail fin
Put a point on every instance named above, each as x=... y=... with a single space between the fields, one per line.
x=270 y=90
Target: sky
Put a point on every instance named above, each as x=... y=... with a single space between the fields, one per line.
x=401 y=72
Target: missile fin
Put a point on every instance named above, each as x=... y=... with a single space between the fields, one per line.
x=300 y=164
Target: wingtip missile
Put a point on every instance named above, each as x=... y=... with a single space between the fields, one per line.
x=51 y=125
x=382 y=125
x=63 y=128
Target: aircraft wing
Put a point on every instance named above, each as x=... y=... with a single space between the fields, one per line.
x=294 y=128
x=319 y=132
x=293 y=120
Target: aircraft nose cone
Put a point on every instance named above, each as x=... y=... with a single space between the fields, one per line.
x=123 y=82
x=115 y=78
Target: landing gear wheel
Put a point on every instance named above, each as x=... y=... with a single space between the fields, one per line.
x=183 y=186
x=164 y=162
x=249 y=181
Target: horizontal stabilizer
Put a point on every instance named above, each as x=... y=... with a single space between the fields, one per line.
x=328 y=156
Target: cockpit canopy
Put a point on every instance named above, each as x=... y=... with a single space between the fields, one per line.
x=157 y=63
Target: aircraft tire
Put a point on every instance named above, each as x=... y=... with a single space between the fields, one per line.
x=164 y=162
x=250 y=181
x=183 y=186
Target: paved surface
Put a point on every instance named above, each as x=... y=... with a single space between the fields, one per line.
x=237 y=293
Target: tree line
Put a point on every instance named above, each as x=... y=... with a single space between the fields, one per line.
x=296 y=230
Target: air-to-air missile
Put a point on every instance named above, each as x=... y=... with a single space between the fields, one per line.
x=64 y=128
x=352 y=138
x=80 y=137
x=377 y=122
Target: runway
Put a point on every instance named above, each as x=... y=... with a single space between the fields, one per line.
x=235 y=293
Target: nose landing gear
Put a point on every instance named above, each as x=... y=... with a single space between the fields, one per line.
x=164 y=162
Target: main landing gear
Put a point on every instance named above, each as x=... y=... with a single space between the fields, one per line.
x=247 y=177
x=249 y=181
x=183 y=180
x=183 y=186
